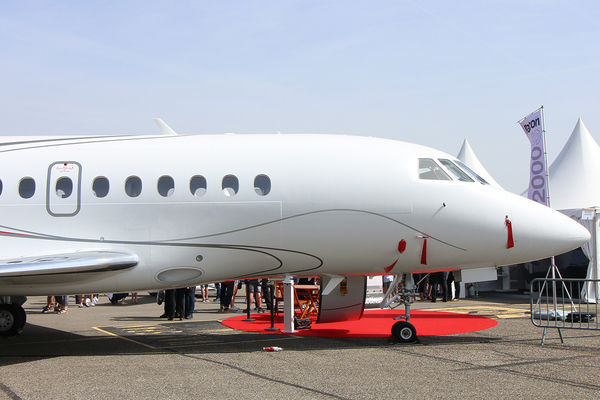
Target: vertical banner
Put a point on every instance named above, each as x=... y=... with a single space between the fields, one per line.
x=534 y=129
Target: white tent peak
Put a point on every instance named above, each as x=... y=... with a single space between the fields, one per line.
x=467 y=155
x=574 y=172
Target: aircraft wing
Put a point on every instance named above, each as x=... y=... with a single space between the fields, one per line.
x=67 y=263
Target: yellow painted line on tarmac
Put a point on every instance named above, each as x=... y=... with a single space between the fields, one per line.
x=124 y=338
x=140 y=326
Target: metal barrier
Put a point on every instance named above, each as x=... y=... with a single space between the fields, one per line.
x=564 y=304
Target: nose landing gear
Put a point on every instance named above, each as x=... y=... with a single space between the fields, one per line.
x=402 y=331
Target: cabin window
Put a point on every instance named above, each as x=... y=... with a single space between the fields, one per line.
x=230 y=185
x=100 y=187
x=430 y=170
x=166 y=186
x=27 y=188
x=472 y=173
x=133 y=186
x=64 y=187
x=457 y=172
x=198 y=185
x=0 y=186
x=262 y=185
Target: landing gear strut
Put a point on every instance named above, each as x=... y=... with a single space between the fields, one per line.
x=402 y=331
x=12 y=319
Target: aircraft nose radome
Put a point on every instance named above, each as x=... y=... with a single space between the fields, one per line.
x=578 y=234
x=572 y=234
x=541 y=232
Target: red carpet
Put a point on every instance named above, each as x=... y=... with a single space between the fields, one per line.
x=374 y=323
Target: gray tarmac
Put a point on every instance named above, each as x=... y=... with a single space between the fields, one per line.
x=126 y=351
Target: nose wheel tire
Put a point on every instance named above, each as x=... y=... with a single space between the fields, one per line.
x=12 y=319
x=403 y=332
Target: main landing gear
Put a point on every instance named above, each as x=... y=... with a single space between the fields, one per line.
x=12 y=318
x=402 y=331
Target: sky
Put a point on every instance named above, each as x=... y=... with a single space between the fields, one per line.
x=430 y=72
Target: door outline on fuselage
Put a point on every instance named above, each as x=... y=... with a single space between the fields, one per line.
x=70 y=205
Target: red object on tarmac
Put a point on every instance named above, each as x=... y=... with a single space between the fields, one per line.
x=270 y=348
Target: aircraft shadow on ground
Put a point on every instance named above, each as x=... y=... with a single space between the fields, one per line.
x=186 y=337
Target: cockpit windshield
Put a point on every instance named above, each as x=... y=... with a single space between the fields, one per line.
x=430 y=170
x=472 y=173
x=457 y=172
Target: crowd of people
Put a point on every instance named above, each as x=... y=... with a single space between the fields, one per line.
x=430 y=286
x=60 y=304
x=180 y=303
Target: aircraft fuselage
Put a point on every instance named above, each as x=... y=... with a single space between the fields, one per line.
x=198 y=209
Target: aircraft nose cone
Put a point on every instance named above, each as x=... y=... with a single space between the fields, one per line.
x=574 y=235
x=577 y=234
x=540 y=232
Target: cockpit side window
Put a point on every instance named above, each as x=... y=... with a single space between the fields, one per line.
x=457 y=172
x=429 y=169
x=472 y=173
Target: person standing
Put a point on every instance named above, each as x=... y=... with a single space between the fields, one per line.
x=452 y=282
x=169 y=304
x=50 y=303
x=226 y=295
x=204 y=292
x=218 y=289
x=255 y=293
x=180 y=303
x=236 y=287
x=438 y=278
x=266 y=292
x=190 y=302
x=62 y=303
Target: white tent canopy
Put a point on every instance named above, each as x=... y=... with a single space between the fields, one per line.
x=467 y=155
x=574 y=173
x=574 y=192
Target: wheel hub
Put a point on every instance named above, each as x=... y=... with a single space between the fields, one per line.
x=406 y=333
x=6 y=320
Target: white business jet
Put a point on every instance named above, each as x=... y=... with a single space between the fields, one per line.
x=129 y=213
